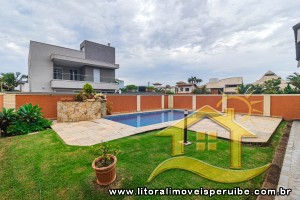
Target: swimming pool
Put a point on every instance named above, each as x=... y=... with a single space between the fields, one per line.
x=147 y=118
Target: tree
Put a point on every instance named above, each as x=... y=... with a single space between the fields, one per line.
x=9 y=81
x=244 y=89
x=256 y=89
x=294 y=79
x=194 y=80
x=272 y=86
x=289 y=90
x=201 y=90
x=131 y=88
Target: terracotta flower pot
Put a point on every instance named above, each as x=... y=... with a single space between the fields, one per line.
x=105 y=175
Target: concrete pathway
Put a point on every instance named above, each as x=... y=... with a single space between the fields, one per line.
x=290 y=172
x=86 y=133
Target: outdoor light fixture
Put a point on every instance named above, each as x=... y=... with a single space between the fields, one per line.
x=185 y=128
x=297 y=42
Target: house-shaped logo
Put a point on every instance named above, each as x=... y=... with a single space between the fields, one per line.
x=199 y=167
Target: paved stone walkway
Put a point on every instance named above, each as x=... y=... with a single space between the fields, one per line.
x=263 y=127
x=86 y=133
x=290 y=172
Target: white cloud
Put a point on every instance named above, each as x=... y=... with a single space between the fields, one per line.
x=163 y=41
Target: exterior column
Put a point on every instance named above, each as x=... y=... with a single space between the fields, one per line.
x=138 y=103
x=162 y=101
x=224 y=102
x=267 y=105
x=9 y=101
x=170 y=101
x=194 y=102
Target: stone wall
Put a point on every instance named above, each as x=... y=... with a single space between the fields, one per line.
x=80 y=111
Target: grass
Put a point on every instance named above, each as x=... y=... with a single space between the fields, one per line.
x=41 y=166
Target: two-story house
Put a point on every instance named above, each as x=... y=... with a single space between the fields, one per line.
x=58 y=69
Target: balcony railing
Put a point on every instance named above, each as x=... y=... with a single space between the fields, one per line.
x=81 y=77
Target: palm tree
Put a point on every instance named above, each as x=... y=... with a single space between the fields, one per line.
x=9 y=81
x=194 y=80
x=294 y=79
x=243 y=89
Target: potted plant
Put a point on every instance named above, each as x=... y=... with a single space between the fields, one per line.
x=105 y=164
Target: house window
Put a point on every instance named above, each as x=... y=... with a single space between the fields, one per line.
x=82 y=48
x=231 y=86
x=73 y=74
x=57 y=73
x=187 y=89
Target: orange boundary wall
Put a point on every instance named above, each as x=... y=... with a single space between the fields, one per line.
x=286 y=106
x=1 y=102
x=122 y=103
x=182 y=102
x=212 y=101
x=150 y=102
x=246 y=105
x=48 y=103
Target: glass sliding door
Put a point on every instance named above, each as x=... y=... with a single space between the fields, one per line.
x=74 y=75
x=96 y=73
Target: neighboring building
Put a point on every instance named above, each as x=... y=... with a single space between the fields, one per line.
x=24 y=87
x=170 y=89
x=269 y=75
x=157 y=85
x=296 y=29
x=184 y=88
x=227 y=85
x=58 y=69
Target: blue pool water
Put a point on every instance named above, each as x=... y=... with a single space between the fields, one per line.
x=148 y=118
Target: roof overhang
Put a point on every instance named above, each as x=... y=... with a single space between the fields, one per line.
x=63 y=60
x=185 y=85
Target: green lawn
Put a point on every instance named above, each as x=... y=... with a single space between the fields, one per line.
x=42 y=166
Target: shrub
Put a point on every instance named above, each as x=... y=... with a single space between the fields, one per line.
x=88 y=89
x=123 y=90
x=24 y=127
x=26 y=119
x=169 y=92
x=87 y=93
x=7 y=117
x=79 y=96
x=104 y=151
x=29 y=113
x=150 y=88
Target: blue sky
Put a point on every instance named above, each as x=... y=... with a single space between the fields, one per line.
x=160 y=41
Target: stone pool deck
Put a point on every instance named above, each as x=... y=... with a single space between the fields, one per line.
x=87 y=133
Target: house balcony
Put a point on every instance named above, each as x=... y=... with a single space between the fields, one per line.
x=77 y=81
